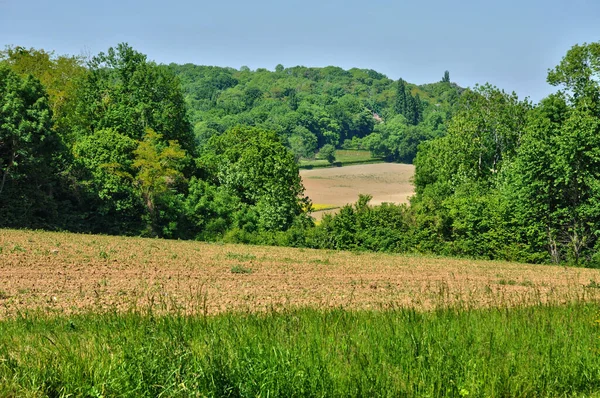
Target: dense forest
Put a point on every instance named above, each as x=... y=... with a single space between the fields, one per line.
x=315 y=110
x=120 y=145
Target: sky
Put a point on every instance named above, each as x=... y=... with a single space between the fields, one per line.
x=510 y=44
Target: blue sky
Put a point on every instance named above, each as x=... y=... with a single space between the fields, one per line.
x=510 y=44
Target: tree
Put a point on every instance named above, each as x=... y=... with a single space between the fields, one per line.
x=401 y=104
x=549 y=174
x=484 y=133
x=159 y=171
x=327 y=152
x=579 y=73
x=407 y=105
x=446 y=78
x=408 y=143
x=253 y=165
x=212 y=210
x=302 y=142
x=59 y=75
x=105 y=176
x=125 y=92
x=556 y=181
x=27 y=145
x=457 y=205
x=251 y=96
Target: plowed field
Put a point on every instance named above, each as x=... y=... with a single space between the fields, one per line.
x=338 y=186
x=59 y=272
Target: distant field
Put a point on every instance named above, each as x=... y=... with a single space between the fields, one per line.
x=343 y=157
x=334 y=187
x=60 y=272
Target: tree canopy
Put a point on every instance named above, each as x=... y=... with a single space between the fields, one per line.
x=27 y=148
x=330 y=106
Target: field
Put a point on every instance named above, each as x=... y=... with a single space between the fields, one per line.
x=332 y=188
x=66 y=273
x=84 y=315
x=343 y=157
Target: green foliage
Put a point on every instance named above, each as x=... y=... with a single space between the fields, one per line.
x=109 y=148
x=485 y=132
x=446 y=78
x=396 y=140
x=104 y=169
x=458 y=208
x=302 y=142
x=406 y=105
x=330 y=103
x=363 y=227
x=254 y=166
x=213 y=210
x=27 y=148
x=579 y=73
x=514 y=183
x=59 y=75
x=327 y=152
x=125 y=92
x=556 y=176
x=557 y=182
x=159 y=173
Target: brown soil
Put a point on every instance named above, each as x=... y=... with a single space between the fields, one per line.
x=65 y=273
x=386 y=182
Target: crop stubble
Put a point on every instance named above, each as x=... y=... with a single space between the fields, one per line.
x=386 y=182
x=67 y=273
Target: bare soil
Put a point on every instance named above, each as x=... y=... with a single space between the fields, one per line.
x=65 y=273
x=338 y=186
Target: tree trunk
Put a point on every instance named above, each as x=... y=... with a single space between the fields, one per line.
x=553 y=248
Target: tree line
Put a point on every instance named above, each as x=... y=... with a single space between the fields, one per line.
x=106 y=146
x=121 y=145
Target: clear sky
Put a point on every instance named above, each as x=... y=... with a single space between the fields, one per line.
x=509 y=43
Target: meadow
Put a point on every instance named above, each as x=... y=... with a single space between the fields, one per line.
x=85 y=315
x=343 y=157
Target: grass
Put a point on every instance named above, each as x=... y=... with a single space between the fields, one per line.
x=346 y=156
x=239 y=269
x=322 y=207
x=528 y=351
x=240 y=256
x=343 y=157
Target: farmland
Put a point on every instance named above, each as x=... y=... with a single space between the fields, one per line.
x=65 y=273
x=343 y=157
x=335 y=187
x=89 y=315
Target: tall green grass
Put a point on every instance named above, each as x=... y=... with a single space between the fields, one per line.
x=529 y=351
